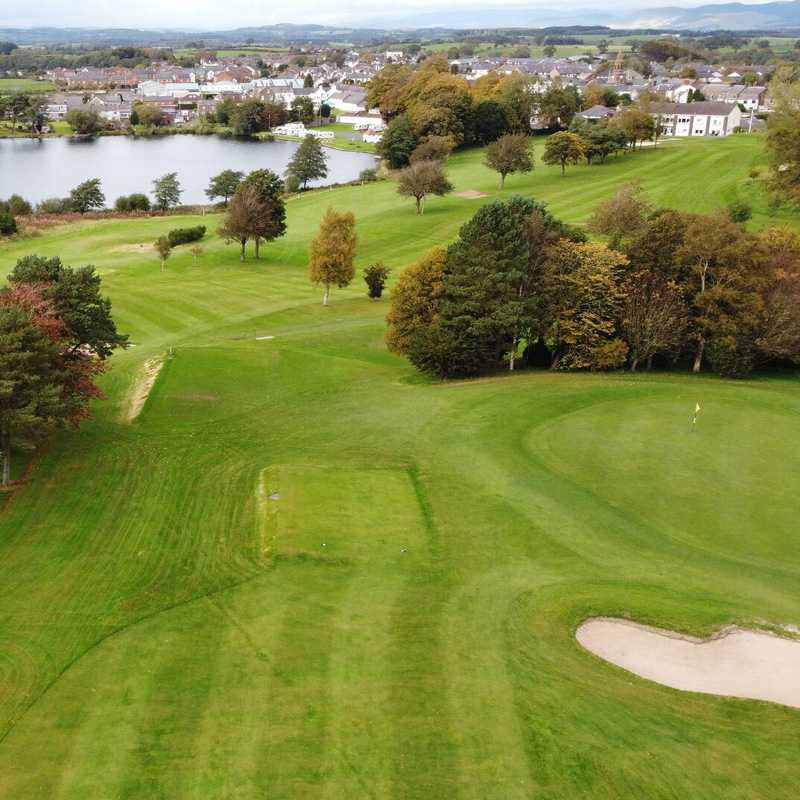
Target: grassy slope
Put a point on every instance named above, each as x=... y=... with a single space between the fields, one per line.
x=218 y=649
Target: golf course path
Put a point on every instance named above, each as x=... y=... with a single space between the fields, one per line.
x=735 y=662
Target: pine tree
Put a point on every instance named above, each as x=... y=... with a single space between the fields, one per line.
x=309 y=161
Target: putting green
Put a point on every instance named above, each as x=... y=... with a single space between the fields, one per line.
x=714 y=488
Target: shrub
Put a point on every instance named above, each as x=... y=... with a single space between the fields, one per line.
x=731 y=358
x=575 y=234
x=139 y=202
x=446 y=352
x=291 y=184
x=8 y=224
x=133 y=202
x=368 y=176
x=53 y=205
x=19 y=206
x=185 y=235
x=740 y=211
x=375 y=276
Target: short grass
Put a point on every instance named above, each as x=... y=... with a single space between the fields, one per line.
x=304 y=571
x=8 y=85
x=338 y=143
x=9 y=132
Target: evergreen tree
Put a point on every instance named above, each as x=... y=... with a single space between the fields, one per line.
x=30 y=392
x=54 y=336
x=76 y=299
x=490 y=290
x=308 y=162
x=397 y=143
x=491 y=121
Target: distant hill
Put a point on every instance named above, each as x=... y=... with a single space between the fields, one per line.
x=433 y=20
x=727 y=16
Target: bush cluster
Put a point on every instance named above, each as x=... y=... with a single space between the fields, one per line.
x=16 y=205
x=185 y=235
x=8 y=224
x=132 y=202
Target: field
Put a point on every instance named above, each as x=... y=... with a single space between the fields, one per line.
x=8 y=85
x=304 y=571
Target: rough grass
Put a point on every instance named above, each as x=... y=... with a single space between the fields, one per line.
x=171 y=624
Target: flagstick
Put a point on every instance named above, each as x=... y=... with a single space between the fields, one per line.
x=694 y=421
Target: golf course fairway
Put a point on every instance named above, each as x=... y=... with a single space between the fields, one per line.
x=302 y=570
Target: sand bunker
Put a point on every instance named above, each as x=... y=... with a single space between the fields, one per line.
x=735 y=662
x=470 y=194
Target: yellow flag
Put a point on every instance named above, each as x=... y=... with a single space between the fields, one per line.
x=697 y=408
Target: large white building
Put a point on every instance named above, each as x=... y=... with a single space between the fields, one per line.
x=701 y=118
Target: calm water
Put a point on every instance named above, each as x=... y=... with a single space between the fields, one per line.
x=41 y=168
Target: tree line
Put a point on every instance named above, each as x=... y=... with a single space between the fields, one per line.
x=88 y=197
x=667 y=287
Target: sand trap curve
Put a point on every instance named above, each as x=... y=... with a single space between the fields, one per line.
x=735 y=662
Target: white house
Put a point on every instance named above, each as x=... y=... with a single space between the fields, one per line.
x=751 y=97
x=703 y=118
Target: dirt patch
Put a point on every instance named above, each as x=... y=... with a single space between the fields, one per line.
x=736 y=662
x=470 y=194
x=131 y=248
x=137 y=396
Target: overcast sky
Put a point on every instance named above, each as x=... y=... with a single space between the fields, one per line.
x=216 y=15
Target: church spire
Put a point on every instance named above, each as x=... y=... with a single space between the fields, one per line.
x=618 y=73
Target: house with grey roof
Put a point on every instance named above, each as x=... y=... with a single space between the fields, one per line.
x=751 y=97
x=595 y=112
x=702 y=118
